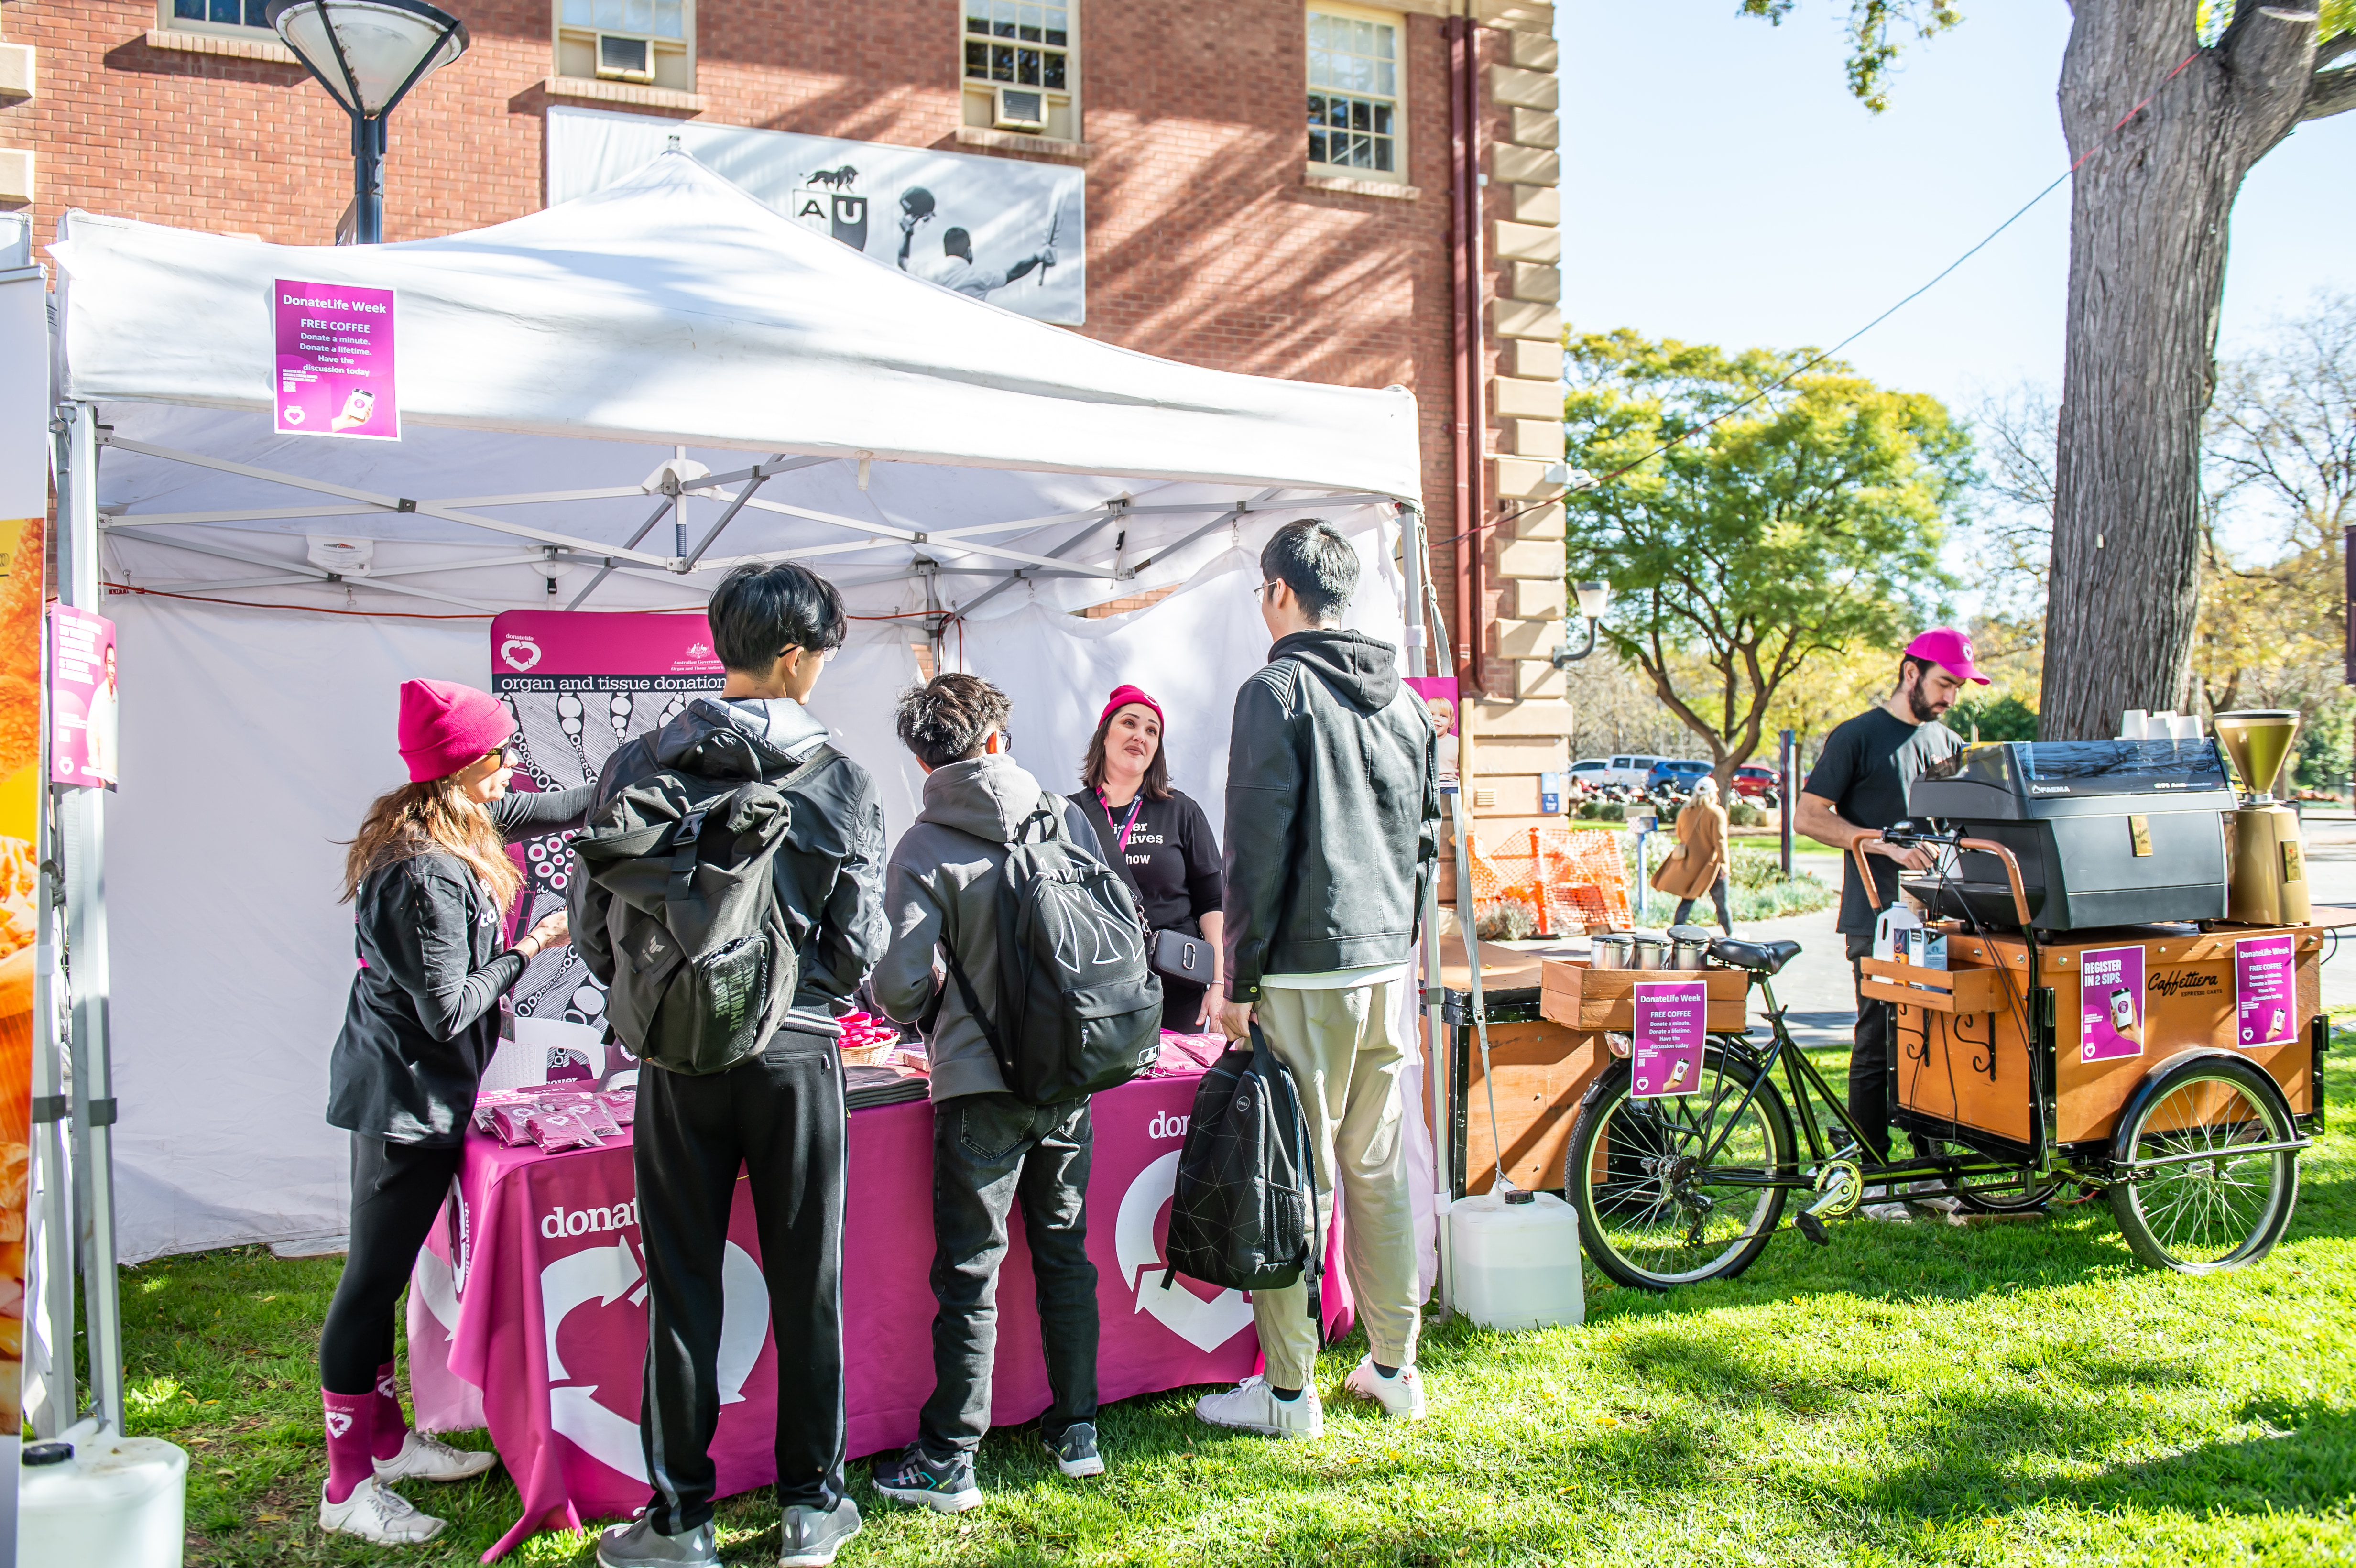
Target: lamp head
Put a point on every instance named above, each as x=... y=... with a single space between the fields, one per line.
x=1594 y=598
x=368 y=53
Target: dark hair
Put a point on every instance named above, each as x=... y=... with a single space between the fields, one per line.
x=958 y=243
x=1155 y=785
x=946 y=719
x=1922 y=665
x=759 y=612
x=1313 y=559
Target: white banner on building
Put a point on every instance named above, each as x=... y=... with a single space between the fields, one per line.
x=985 y=226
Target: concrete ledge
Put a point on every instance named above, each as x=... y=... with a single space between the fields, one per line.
x=1016 y=141
x=253 y=48
x=1522 y=479
x=1509 y=165
x=16 y=70
x=1530 y=359
x=630 y=92
x=1387 y=189
x=15 y=175
x=1534 y=283
x=1526 y=89
x=1534 y=51
x=1533 y=597
x=1534 y=128
x=1521 y=15
x=1510 y=397
x=1531 y=558
x=1527 y=242
x=1536 y=203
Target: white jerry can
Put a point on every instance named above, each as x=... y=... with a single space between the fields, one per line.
x=103 y=1502
x=1516 y=1264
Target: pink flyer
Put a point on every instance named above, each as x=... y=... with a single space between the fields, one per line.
x=335 y=360
x=83 y=706
x=2265 y=990
x=2110 y=1003
x=1671 y=1018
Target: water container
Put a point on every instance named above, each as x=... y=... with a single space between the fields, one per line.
x=106 y=1503
x=1516 y=1264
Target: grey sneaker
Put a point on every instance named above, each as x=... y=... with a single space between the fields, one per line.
x=638 y=1545
x=1074 y=1450
x=811 y=1537
x=944 y=1486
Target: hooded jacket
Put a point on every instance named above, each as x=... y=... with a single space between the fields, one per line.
x=942 y=885
x=1332 y=811
x=829 y=871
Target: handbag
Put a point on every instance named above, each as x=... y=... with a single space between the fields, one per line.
x=1169 y=952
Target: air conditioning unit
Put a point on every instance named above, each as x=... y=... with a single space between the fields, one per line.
x=624 y=59
x=1021 y=109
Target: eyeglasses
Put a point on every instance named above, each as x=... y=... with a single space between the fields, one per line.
x=1261 y=591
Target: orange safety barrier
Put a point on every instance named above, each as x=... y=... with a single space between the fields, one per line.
x=1571 y=877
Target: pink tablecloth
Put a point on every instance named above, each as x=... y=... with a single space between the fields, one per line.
x=527 y=1313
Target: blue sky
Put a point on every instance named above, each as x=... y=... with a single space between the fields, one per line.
x=1719 y=185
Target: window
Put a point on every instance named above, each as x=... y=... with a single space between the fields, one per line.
x=650 y=42
x=215 y=15
x=1355 y=125
x=1019 y=73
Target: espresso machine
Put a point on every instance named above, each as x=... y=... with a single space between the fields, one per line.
x=2269 y=859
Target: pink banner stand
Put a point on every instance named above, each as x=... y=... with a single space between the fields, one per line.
x=527 y=1311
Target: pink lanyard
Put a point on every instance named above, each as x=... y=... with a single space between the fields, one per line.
x=1128 y=822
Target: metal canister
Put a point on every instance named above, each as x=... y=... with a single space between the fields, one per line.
x=1688 y=947
x=1613 y=950
x=1652 y=950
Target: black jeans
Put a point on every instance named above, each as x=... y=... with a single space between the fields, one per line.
x=1717 y=897
x=780 y=1117
x=989 y=1150
x=397 y=1189
x=1872 y=1067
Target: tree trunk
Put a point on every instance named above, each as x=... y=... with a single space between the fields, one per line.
x=2147 y=236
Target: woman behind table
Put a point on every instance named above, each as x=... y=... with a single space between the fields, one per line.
x=1159 y=835
x=431 y=885
x=1699 y=866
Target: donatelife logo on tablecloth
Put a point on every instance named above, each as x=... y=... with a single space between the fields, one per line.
x=335 y=364
x=2110 y=1003
x=2266 y=994
x=1665 y=1055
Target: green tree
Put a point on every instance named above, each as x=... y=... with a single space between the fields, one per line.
x=1807 y=523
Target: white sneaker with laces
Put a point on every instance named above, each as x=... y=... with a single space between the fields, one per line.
x=423 y=1459
x=1401 y=1397
x=1889 y=1213
x=1252 y=1406
x=377 y=1513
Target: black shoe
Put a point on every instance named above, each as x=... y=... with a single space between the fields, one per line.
x=812 y=1536
x=1076 y=1449
x=944 y=1484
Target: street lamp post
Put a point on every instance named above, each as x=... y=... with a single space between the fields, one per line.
x=369 y=54
x=1594 y=598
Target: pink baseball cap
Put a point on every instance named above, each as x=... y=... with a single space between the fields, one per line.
x=1947 y=648
x=1123 y=695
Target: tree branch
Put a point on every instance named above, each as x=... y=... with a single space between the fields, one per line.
x=2331 y=92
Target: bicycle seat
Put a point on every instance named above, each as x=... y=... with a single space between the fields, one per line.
x=1759 y=957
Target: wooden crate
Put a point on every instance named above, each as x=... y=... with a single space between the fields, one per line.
x=1964 y=990
x=1542 y=1070
x=1579 y=998
x=1969 y=1067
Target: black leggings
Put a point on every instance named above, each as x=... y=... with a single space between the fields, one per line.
x=397 y=1190
x=1717 y=897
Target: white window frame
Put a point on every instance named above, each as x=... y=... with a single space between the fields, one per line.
x=165 y=21
x=581 y=37
x=1396 y=22
x=1063 y=103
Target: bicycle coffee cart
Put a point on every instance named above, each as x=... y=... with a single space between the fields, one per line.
x=2175 y=1067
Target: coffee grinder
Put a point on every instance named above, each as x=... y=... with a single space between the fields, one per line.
x=2269 y=859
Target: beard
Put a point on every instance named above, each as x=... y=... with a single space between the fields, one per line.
x=1921 y=706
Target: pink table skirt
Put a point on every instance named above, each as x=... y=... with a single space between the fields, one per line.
x=527 y=1312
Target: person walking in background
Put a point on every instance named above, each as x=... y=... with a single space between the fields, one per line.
x=432 y=885
x=989 y=1149
x=1697 y=865
x=1157 y=838
x=1332 y=836
x=777 y=1116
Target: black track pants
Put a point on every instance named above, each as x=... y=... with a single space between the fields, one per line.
x=397 y=1190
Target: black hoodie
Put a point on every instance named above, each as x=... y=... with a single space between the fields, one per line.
x=1332 y=811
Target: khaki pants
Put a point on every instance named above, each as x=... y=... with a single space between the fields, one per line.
x=1345 y=1056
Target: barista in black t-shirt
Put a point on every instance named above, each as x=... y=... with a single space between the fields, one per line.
x=1858 y=788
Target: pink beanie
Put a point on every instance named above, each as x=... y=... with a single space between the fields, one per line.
x=445 y=726
x=1123 y=695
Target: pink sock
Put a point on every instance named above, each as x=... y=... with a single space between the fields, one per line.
x=390 y=1426
x=351 y=1425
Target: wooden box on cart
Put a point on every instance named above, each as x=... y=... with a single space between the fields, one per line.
x=1543 y=1070
x=1964 y=1033
x=1576 y=996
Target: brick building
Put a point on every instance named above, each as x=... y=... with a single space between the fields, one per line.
x=1225 y=227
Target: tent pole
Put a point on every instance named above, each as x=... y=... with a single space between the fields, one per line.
x=81 y=821
x=1438 y=1058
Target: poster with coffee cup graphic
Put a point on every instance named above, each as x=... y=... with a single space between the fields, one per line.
x=2110 y=1003
x=2266 y=991
x=21 y=551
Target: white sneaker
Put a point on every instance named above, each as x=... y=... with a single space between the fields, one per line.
x=1933 y=1195
x=1401 y=1397
x=1889 y=1213
x=377 y=1513
x=1252 y=1406
x=423 y=1459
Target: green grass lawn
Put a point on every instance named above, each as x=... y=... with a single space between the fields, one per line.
x=2013 y=1391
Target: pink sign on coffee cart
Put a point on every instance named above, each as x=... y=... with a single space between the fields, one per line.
x=2110 y=1003
x=335 y=368
x=1665 y=1056
x=2266 y=993
x=83 y=705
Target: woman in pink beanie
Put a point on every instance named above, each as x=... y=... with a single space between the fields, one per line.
x=432 y=885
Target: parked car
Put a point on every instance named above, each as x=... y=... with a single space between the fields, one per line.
x=1629 y=770
x=1588 y=774
x=1759 y=781
x=1677 y=774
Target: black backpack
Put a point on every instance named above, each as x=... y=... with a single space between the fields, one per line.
x=1078 y=1011
x=704 y=965
x=1245 y=1213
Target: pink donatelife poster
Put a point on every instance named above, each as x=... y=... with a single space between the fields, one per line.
x=335 y=374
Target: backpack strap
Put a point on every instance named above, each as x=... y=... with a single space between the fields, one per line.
x=973 y=1006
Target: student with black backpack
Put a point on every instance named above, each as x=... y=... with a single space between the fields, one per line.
x=728 y=894
x=1012 y=1067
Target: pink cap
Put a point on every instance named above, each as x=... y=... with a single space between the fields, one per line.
x=445 y=726
x=1123 y=695
x=1950 y=649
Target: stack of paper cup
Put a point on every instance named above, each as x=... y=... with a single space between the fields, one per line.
x=2188 y=726
x=2133 y=724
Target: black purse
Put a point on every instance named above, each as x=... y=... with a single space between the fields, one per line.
x=1171 y=954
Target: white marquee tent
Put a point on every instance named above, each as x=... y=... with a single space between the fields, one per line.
x=603 y=405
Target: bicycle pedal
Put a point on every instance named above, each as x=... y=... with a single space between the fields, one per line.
x=1808 y=1225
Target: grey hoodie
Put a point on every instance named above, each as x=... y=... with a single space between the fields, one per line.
x=942 y=884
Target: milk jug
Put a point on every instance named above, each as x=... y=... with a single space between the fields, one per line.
x=1516 y=1264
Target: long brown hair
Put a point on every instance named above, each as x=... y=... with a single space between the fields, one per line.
x=1155 y=785
x=430 y=818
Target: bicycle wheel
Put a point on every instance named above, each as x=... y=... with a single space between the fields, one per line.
x=2209 y=1207
x=1649 y=1213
